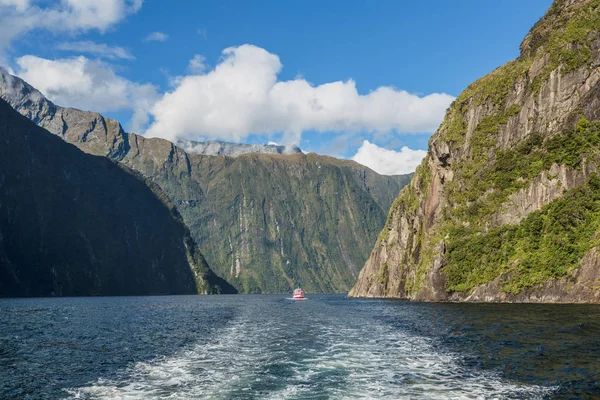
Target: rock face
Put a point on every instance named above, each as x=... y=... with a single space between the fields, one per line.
x=74 y=224
x=272 y=222
x=505 y=206
x=217 y=148
x=265 y=222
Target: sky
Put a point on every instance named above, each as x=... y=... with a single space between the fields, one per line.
x=361 y=79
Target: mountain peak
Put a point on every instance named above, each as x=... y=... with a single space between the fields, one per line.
x=518 y=149
x=22 y=96
x=564 y=23
x=217 y=147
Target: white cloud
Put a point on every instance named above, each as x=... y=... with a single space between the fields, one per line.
x=98 y=14
x=19 y=5
x=18 y=17
x=197 y=65
x=389 y=162
x=99 y=49
x=88 y=84
x=156 y=37
x=4 y=62
x=242 y=95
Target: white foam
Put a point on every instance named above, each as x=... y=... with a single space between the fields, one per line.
x=245 y=359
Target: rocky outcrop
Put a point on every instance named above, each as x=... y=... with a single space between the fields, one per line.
x=485 y=217
x=264 y=222
x=73 y=224
x=545 y=188
x=217 y=148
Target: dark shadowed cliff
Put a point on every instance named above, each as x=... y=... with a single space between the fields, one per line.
x=77 y=224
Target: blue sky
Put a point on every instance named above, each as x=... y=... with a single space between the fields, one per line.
x=424 y=48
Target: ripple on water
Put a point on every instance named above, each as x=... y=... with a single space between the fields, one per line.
x=309 y=350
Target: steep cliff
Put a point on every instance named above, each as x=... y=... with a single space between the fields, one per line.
x=265 y=222
x=76 y=224
x=274 y=222
x=506 y=205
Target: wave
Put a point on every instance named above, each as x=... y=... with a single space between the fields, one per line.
x=308 y=355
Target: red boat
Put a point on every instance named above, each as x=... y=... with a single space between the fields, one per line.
x=298 y=294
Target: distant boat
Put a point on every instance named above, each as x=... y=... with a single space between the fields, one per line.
x=298 y=294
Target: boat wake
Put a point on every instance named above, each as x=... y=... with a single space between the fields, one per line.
x=274 y=353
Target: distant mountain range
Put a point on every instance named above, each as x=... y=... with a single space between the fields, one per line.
x=264 y=222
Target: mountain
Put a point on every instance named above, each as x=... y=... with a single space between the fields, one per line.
x=506 y=205
x=217 y=148
x=275 y=222
x=76 y=224
x=265 y=222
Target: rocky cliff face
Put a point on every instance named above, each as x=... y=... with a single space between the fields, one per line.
x=217 y=148
x=275 y=222
x=265 y=222
x=504 y=207
x=76 y=224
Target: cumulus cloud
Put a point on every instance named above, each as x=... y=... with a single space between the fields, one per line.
x=239 y=97
x=98 y=49
x=197 y=65
x=389 y=162
x=88 y=84
x=18 y=17
x=242 y=96
x=156 y=37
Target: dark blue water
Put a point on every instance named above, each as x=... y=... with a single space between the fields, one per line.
x=256 y=347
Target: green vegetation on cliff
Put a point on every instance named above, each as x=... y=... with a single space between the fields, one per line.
x=563 y=38
x=268 y=223
x=567 y=47
x=408 y=199
x=489 y=166
x=490 y=175
x=560 y=39
x=476 y=256
x=485 y=184
x=547 y=244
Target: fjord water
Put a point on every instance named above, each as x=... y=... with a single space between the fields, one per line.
x=255 y=347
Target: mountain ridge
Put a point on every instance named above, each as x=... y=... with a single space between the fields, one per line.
x=76 y=224
x=264 y=222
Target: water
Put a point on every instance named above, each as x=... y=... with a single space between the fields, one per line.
x=267 y=347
